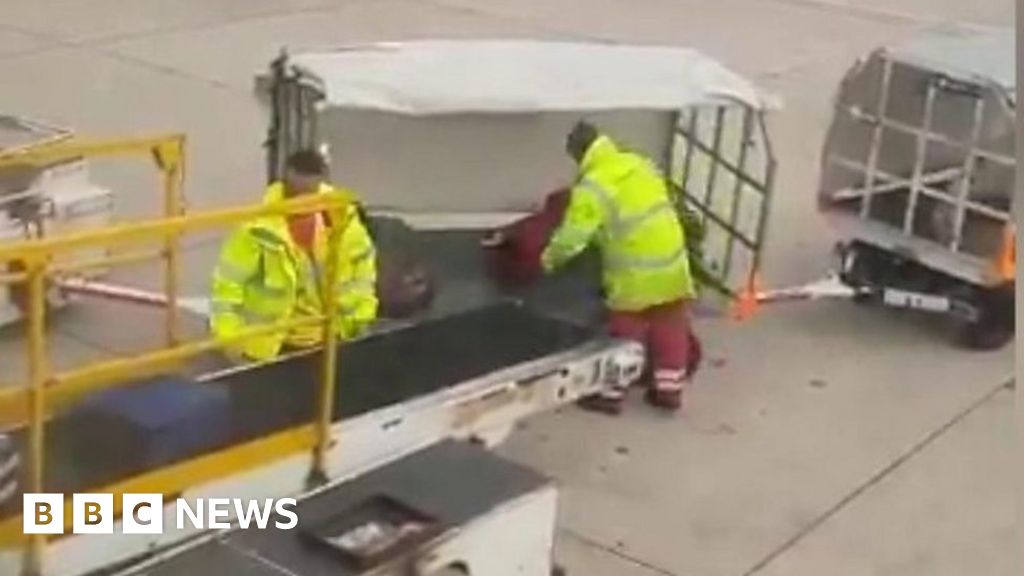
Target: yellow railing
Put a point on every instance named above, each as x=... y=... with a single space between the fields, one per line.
x=47 y=390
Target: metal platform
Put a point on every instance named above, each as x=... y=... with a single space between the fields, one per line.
x=453 y=482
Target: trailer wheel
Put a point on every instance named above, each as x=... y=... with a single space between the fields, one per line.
x=866 y=268
x=994 y=326
x=858 y=269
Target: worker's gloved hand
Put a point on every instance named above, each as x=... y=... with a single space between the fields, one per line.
x=236 y=356
x=493 y=239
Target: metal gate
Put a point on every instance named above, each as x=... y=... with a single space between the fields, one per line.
x=722 y=169
x=294 y=98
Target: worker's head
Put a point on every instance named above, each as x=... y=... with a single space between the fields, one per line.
x=305 y=170
x=579 y=140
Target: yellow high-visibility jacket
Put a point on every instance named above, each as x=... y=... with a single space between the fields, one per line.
x=264 y=277
x=621 y=202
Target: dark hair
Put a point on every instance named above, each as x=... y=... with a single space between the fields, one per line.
x=580 y=138
x=307 y=162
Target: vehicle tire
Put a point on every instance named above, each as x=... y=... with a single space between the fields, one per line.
x=994 y=327
x=865 y=269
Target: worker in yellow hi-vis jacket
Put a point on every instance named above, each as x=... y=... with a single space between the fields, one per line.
x=272 y=269
x=621 y=203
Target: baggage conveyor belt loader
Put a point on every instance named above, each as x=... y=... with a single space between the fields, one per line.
x=292 y=427
x=251 y=432
x=472 y=375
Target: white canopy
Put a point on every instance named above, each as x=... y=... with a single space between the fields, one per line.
x=433 y=77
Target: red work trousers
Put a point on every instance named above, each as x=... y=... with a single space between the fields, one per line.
x=673 y=352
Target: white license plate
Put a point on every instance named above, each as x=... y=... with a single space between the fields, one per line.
x=917 y=301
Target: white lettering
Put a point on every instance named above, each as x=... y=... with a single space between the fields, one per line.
x=285 y=507
x=246 y=514
x=218 y=508
x=196 y=516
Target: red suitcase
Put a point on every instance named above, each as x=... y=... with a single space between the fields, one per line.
x=513 y=252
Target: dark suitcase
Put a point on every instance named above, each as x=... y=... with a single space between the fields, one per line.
x=154 y=423
x=405 y=285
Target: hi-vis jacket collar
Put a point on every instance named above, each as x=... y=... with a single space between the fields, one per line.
x=601 y=148
x=275 y=192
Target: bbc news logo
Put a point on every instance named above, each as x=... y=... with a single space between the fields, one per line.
x=144 y=514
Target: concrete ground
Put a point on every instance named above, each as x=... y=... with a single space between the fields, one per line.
x=821 y=439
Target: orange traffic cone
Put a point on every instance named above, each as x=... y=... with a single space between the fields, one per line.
x=746 y=305
x=1006 y=262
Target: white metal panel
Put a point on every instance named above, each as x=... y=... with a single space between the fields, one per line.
x=470 y=162
x=515 y=539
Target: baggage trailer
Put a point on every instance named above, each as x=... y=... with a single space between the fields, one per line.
x=918 y=177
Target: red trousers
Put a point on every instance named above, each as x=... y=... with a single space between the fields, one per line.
x=673 y=351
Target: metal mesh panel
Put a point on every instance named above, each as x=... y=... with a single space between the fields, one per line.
x=723 y=168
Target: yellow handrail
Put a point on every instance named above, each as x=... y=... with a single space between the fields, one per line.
x=37 y=261
x=150 y=230
x=65 y=388
x=168 y=146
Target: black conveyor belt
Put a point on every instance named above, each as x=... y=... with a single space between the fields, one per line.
x=459 y=265
x=375 y=372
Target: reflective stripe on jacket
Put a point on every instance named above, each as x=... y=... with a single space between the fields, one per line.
x=263 y=276
x=621 y=202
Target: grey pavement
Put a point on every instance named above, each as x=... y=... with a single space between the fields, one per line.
x=820 y=439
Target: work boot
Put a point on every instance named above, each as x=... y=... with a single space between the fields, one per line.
x=667 y=391
x=664 y=399
x=603 y=402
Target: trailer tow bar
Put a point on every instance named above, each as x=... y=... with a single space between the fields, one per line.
x=833 y=287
